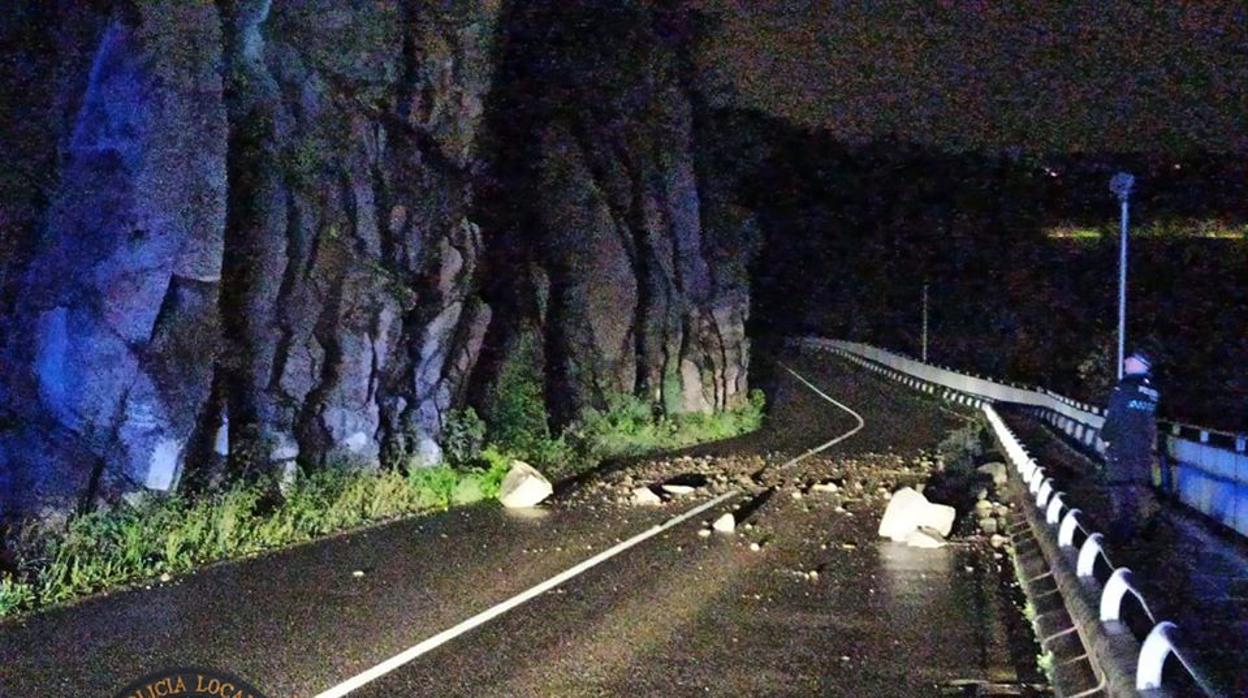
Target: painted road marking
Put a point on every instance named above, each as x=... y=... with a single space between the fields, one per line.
x=485 y=616
x=489 y=614
x=821 y=447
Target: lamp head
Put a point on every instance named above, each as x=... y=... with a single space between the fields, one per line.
x=1121 y=184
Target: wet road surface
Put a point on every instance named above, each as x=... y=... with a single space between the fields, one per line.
x=680 y=614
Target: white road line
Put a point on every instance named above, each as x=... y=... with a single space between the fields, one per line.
x=485 y=616
x=861 y=422
x=489 y=614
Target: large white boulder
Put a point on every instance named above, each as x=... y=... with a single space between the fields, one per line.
x=908 y=511
x=523 y=486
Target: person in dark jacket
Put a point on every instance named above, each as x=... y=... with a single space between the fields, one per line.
x=1129 y=432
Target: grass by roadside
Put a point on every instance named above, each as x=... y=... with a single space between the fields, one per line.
x=169 y=535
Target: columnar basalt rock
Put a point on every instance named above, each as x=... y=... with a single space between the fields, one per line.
x=620 y=224
x=110 y=349
x=260 y=245
x=356 y=320
x=267 y=237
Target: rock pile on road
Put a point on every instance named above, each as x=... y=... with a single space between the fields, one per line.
x=991 y=515
x=812 y=483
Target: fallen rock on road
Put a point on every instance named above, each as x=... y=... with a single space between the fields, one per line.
x=997 y=471
x=908 y=511
x=524 y=486
x=646 y=497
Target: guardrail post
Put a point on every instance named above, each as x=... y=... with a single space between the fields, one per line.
x=1116 y=588
x=1066 y=532
x=1053 y=511
x=1092 y=547
x=1157 y=646
x=1037 y=479
x=1046 y=491
x=1031 y=471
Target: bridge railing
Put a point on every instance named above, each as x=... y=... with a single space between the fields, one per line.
x=1206 y=469
x=1129 y=658
x=1101 y=598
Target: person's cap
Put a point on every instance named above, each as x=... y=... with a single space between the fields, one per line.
x=1143 y=357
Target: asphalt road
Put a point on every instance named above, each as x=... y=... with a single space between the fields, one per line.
x=678 y=614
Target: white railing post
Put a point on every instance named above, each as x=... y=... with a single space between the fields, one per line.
x=1092 y=547
x=1043 y=494
x=1157 y=646
x=1066 y=532
x=1030 y=469
x=1053 y=512
x=1037 y=479
x=1116 y=588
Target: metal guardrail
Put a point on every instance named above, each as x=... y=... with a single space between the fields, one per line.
x=1128 y=663
x=1095 y=589
x=1205 y=469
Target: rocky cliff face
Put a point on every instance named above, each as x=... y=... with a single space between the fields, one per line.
x=108 y=346
x=639 y=261
x=348 y=309
x=269 y=231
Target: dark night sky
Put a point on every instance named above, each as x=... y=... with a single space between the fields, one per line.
x=924 y=136
x=1105 y=76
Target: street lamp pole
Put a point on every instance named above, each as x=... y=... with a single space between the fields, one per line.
x=924 y=323
x=1120 y=185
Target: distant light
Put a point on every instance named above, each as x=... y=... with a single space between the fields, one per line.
x=1189 y=229
x=1177 y=166
x=1072 y=233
